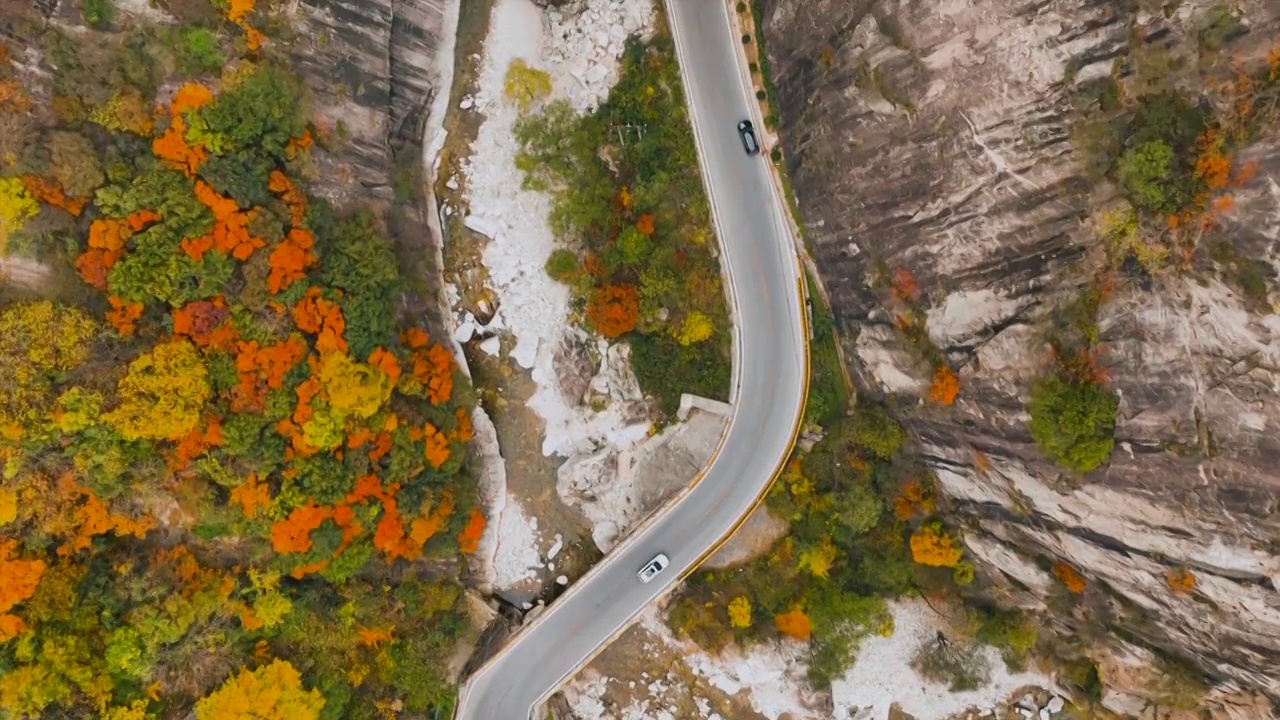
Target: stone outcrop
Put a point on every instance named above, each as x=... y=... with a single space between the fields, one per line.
x=935 y=136
x=374 y=67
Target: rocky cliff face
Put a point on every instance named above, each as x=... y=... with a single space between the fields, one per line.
x=374 y=69
x=937 y=137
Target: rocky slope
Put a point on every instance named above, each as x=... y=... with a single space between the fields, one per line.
x=937 y=137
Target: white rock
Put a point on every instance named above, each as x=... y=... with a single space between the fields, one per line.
x=466 y=329
x=466 y=103
x=556 y=546
x=1044 y=714
x=492 y=346
x=598 y=73
x=605 y=534
x=562 y=580
x=526 y=605
x=1056 y=704
x=451 y=183
x=484 y=226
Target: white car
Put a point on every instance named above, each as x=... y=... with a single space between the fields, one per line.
x=653 y=567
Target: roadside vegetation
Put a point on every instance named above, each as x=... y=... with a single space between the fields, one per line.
x=233 y=479
x=638 y=249
x=864 y=528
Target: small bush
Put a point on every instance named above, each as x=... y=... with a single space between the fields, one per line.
x=1012 y=633
x=742 y=8
x=1217 y=25
x=753 y=67
x=98 y=13
x=1073 y=422
x=523 y=85
x=667 y=369
x=746 y=39
x=775 y=155
x=760 y=95
x=562 y=265
x=1146 y=173
x=196 y=52
x=872 y=429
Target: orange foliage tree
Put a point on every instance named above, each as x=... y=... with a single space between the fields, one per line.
x=89 y=517
x=387 y=362
x=50 y=192
x=913 y=499
x=106 y=238
x=432 y=366
x=260 y=369
x=945 y=385
x=614 y=309
x=469 y=538
x=289 y=259
x=18 y=581
x=197 y=443
x=238 y=13
x=794 y=624
x=252 y=496
x=206 y=323
x=293 y=534
x=230 y=233
x=437 y=446
x=1181 y=580
x=645 y=224
x=903 y=286
x=1069 y=577
x=391 y=536
x=123 y=315
x=315 y=315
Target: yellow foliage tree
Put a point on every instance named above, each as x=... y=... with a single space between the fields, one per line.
x=163 y=393
x=17 y=206
x=696 y=328
x=819 y=558
x=740 y=612
x=932 y=545
x=523 y=84
x=8 y=506
x=273 y=692
x=37 y=340
x=135 y=711
x=353 y=388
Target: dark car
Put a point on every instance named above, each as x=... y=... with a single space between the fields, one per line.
x=748 y=133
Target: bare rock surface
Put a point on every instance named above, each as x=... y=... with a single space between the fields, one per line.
x=756 y=535
x=616 y=489
x=374 y=67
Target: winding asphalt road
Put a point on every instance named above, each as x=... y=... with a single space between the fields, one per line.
x=770 y=371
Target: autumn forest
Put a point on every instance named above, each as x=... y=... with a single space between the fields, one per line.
x=233 y=471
